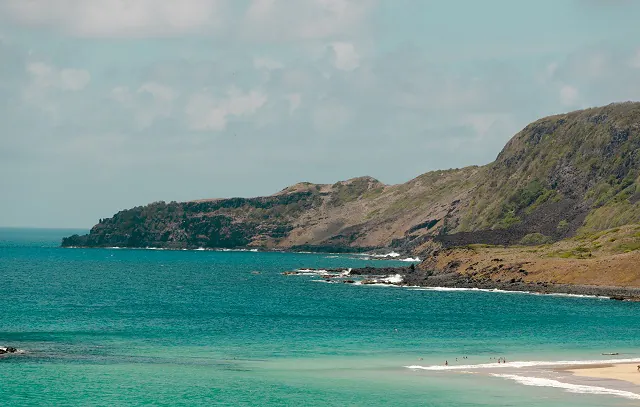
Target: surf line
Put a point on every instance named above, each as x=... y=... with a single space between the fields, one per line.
x=521 y=364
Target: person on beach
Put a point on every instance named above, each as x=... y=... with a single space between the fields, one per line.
x=446 y=363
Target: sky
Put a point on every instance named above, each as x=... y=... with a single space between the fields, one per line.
x=106 y=105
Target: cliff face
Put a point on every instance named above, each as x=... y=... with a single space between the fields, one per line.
x=561 y=174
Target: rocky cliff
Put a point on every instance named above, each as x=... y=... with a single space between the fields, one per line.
x=573 y=172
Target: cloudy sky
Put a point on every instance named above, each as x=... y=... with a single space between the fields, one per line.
x=110 y=104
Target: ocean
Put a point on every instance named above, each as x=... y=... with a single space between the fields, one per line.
x=119 y=327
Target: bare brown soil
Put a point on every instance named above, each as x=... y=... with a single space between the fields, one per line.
x=604 y=259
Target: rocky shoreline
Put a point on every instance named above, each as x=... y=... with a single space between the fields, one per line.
x=413 y=277
x=8 y=350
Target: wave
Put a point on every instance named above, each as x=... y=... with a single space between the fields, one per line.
x=413 y=260
x=312 y=271
x=325 y=281
x=571 y=388
x=529 y=363
x=17 y=351
x=376 y=284
x=396 y=279
x=379 y=256
x=496 y=290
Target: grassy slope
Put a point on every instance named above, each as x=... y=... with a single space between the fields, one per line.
x=589 y=156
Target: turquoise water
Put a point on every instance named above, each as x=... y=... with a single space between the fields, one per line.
x=147 y=327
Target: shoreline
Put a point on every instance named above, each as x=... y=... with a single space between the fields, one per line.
x=426 y=279
x=375 y=254
x=626 y=372
x=408 y=277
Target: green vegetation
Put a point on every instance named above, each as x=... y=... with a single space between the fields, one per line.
x=629 y=246
x=535 y=239
x=580 y=252
x=563 y=225
x=349 y=191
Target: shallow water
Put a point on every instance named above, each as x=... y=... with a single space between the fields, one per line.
x=140 y=327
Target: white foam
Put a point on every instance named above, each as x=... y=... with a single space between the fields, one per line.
x=528 y=363
x=392 y=254
x=377 y=284
x=571 y=388
x=313 y=271
x=496 y=290
x=325 y=281
x=379 y=256
x=412 y=260
x=396 y=279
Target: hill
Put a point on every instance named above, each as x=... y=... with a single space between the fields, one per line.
x=564 y=174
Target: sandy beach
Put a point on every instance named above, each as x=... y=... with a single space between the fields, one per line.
x=625 y=372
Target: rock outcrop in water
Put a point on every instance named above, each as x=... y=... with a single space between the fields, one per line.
x=561 y=174
x=8 y=349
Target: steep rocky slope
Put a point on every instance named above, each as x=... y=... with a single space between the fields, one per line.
x=561 y=174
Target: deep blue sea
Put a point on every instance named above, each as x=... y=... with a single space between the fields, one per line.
x=117 y=327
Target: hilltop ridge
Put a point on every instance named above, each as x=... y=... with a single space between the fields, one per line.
x=578 y=171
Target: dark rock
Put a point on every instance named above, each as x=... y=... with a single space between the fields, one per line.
x=8 y=349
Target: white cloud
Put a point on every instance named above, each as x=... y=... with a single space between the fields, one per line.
x=74 y=79
x=151 y=101
x=267 y=64
x=483 y=123
x=48 y=76
x=117 y=18
x=45 y=79
x=305 y=19
x=204 y=112
x=295 y=99
x=158 y=91
x=259 y=9
x=346 y=57
x=569 y=95
x=46 y=82
x=122 y=95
